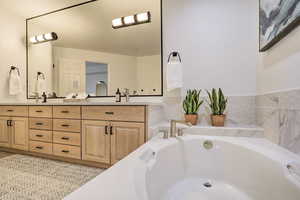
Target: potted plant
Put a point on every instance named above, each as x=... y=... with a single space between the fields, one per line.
x=191 y=106
x=217 y=103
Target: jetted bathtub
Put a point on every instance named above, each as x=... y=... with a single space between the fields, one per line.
x=200 y=168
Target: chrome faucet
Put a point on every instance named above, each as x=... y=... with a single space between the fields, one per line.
x=173 y=127
x=126 y=94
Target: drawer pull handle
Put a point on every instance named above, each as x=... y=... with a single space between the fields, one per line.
x=39 y=111
x=39 y=147
x=65 y=138
x=65 y=111
x=39 y=135
x=39 y=123
x=10 y=110
x=106 y=130
x=109 y=113
x=65 y=151
x=65 y=125
x=111 y=130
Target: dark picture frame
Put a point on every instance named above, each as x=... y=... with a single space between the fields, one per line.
x=281 y=34
x=87 y=2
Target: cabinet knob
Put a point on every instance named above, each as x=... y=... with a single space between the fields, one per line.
x=39 y=111
x=65 y=151
x=65 y=138
x=39 y=123
x=39 y=147
x=10 y=110
x=65 y=111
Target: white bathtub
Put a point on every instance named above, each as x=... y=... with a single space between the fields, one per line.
x=182 y=169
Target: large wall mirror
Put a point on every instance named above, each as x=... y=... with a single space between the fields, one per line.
x=95 y=48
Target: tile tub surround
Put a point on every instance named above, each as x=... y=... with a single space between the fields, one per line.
x=232 y=131
x=279 y=114
x=240 y=111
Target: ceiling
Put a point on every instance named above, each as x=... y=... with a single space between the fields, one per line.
x=30 y=8
x=89 y=26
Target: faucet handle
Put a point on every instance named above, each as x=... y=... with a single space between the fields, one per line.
x=165 y=133
x=180 y=132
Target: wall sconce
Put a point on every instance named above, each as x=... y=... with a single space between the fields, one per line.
x=174 y=58
x=131 y=20
x=43 y=38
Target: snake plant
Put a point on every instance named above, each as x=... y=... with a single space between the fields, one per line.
x=217 y=101
x=192 y=102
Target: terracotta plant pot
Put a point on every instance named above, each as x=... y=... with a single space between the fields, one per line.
x=218 y=120
x=193 y=119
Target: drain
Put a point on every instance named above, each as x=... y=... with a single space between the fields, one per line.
x=208 y=185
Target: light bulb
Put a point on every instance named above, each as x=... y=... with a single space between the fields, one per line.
x=40 y=38
x=129 y=20
x=142 y=17
x=48 y=36
x=117 y=22
x=33 y=39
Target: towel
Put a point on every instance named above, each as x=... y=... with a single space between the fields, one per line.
x=15 y=84
x=174 y=76
x=40 y=85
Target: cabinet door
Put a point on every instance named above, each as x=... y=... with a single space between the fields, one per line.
x=95 y=141
x=19 y=133
x=125 y=138
x=4 y=132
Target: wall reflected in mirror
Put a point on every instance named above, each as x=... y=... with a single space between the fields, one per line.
x=90 y=56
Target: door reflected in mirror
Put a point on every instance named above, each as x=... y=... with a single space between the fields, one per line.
x=96 y=78
x=89 y=55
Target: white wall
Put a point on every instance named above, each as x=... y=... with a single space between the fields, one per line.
x=40 y=60
x=148 y=73
x=218 y=42
x=279 y=67
x=121 y=69
x=12 y=52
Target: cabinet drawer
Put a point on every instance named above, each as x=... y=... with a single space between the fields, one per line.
x=66 y=125
x=41 y=135
x=40 y=123
x=67 y=138
x=17 y=111
x=67 y=151
x=114 y=113
x=67 y=112
x=40 y=111
x=40 y=147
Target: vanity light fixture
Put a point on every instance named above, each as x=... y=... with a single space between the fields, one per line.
x=131 y=20
x=43 y=38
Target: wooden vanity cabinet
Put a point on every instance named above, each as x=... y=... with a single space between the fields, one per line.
x=125 y=138
x=110 y=141
x=4 y=132
x=14 y=127
x=19 y=133
x=96 y=141
x=92 y=135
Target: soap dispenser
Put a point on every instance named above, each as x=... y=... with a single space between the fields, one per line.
x=118 y=95
x=44 y=96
